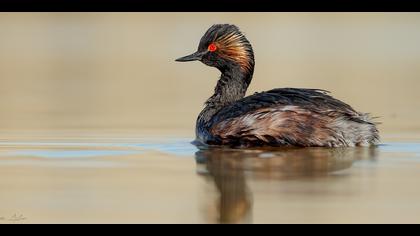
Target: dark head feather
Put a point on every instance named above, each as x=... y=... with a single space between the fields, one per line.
x=232 y=45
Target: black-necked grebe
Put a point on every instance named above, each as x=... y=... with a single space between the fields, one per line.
x=279 y=117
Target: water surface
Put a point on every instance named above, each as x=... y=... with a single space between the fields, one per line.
x=170 y=180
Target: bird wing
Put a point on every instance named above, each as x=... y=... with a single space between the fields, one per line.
x=286 y=115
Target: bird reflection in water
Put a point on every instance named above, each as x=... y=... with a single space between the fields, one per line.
x=231 y=168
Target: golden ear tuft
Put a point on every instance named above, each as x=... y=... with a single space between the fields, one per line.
x=234 y=46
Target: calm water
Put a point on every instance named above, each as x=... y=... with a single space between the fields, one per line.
x=96 y=120
x=167 y=179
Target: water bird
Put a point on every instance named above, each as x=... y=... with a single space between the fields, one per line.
x=278 y=117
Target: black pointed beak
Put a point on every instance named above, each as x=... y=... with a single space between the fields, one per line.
x=193 y=57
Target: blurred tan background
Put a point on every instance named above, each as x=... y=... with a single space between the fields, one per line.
x=116 y=71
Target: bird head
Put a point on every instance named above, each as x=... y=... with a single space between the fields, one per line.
x=224 y=46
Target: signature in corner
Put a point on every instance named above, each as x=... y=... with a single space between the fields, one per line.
x=14 y=217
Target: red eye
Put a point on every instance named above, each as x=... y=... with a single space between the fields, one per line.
x=212 y=47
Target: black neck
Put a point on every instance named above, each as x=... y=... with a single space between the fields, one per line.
x=231 y=87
